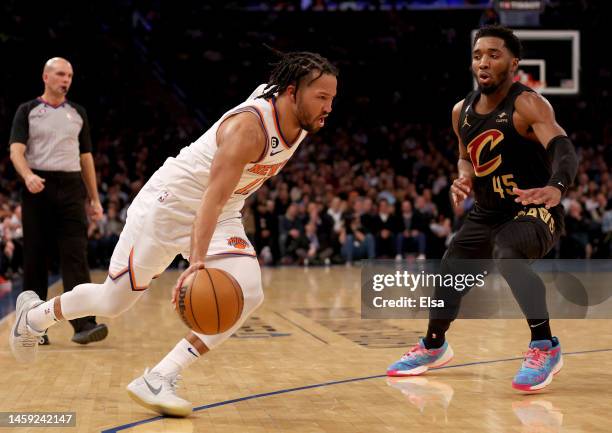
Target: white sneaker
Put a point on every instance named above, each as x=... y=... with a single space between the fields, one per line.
x=158 y=393
x=22 y=338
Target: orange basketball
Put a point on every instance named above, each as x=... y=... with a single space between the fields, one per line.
x=210 y=301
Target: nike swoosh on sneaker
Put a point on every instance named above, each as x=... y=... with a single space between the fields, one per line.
x=537 y=324
x=17 y=334
x=192 y=352
x=153 y=390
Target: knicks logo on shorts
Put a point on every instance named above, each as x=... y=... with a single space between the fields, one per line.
x=491 y=137
x=237 y=243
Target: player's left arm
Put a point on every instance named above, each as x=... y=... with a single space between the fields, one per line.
x=539 y=114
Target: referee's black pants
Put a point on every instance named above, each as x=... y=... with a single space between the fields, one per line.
x=55 y=219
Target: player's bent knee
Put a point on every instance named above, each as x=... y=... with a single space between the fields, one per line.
x=253 y=297
x=247 y=274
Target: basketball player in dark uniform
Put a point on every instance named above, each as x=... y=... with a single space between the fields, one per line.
x=518 y=162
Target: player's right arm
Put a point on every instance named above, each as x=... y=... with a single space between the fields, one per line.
x=240 y=140
x=462 y=186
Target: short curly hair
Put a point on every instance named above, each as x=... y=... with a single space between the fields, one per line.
x=511 y=41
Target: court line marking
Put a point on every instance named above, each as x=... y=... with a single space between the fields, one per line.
x=319 y=385
x=300 y=327
x=67 y=350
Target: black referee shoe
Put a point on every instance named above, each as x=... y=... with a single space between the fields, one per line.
x=90 y=333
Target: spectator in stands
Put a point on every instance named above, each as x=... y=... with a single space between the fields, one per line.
x=335 y=211
x=440 y=229
x=356 y=242
x=386 y=228
x=411 y=236
x=111 y=228
x=324 y=226
x=368 y=216
x=575 y=244
x=11 y=256
x=606 y=228
x=283 y=200
x=266 y=230
x=290 y=229
x=317 y=253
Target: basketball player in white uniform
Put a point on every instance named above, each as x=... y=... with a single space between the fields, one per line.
x=191 y=205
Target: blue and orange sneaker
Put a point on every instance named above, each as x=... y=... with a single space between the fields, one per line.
x=419 y=359
x=542 y=361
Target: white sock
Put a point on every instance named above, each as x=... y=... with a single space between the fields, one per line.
x=42 y=317
x=182 y=356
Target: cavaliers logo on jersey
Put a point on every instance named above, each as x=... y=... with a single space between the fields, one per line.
x=492 y=138
x=237 y=242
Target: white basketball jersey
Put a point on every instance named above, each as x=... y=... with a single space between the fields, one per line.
x=186 y=176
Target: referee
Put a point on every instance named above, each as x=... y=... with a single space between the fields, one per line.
x=51 y=150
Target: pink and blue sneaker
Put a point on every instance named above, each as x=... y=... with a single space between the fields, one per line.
x=542 y=361
x=419 y=359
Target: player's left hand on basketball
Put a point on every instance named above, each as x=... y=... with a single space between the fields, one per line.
x=181 y=279
x=549 y=196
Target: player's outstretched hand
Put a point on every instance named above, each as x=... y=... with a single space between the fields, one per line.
x=460 y=190
x=179 y=283
x=549 y=196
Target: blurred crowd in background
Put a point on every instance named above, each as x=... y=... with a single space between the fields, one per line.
x=373 y=184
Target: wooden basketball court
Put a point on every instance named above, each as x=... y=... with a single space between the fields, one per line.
x=307 y=363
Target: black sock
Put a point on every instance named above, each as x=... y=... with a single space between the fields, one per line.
x=540 y=329
x=436 y=331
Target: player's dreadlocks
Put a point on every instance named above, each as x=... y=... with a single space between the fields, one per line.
x=292 y=68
